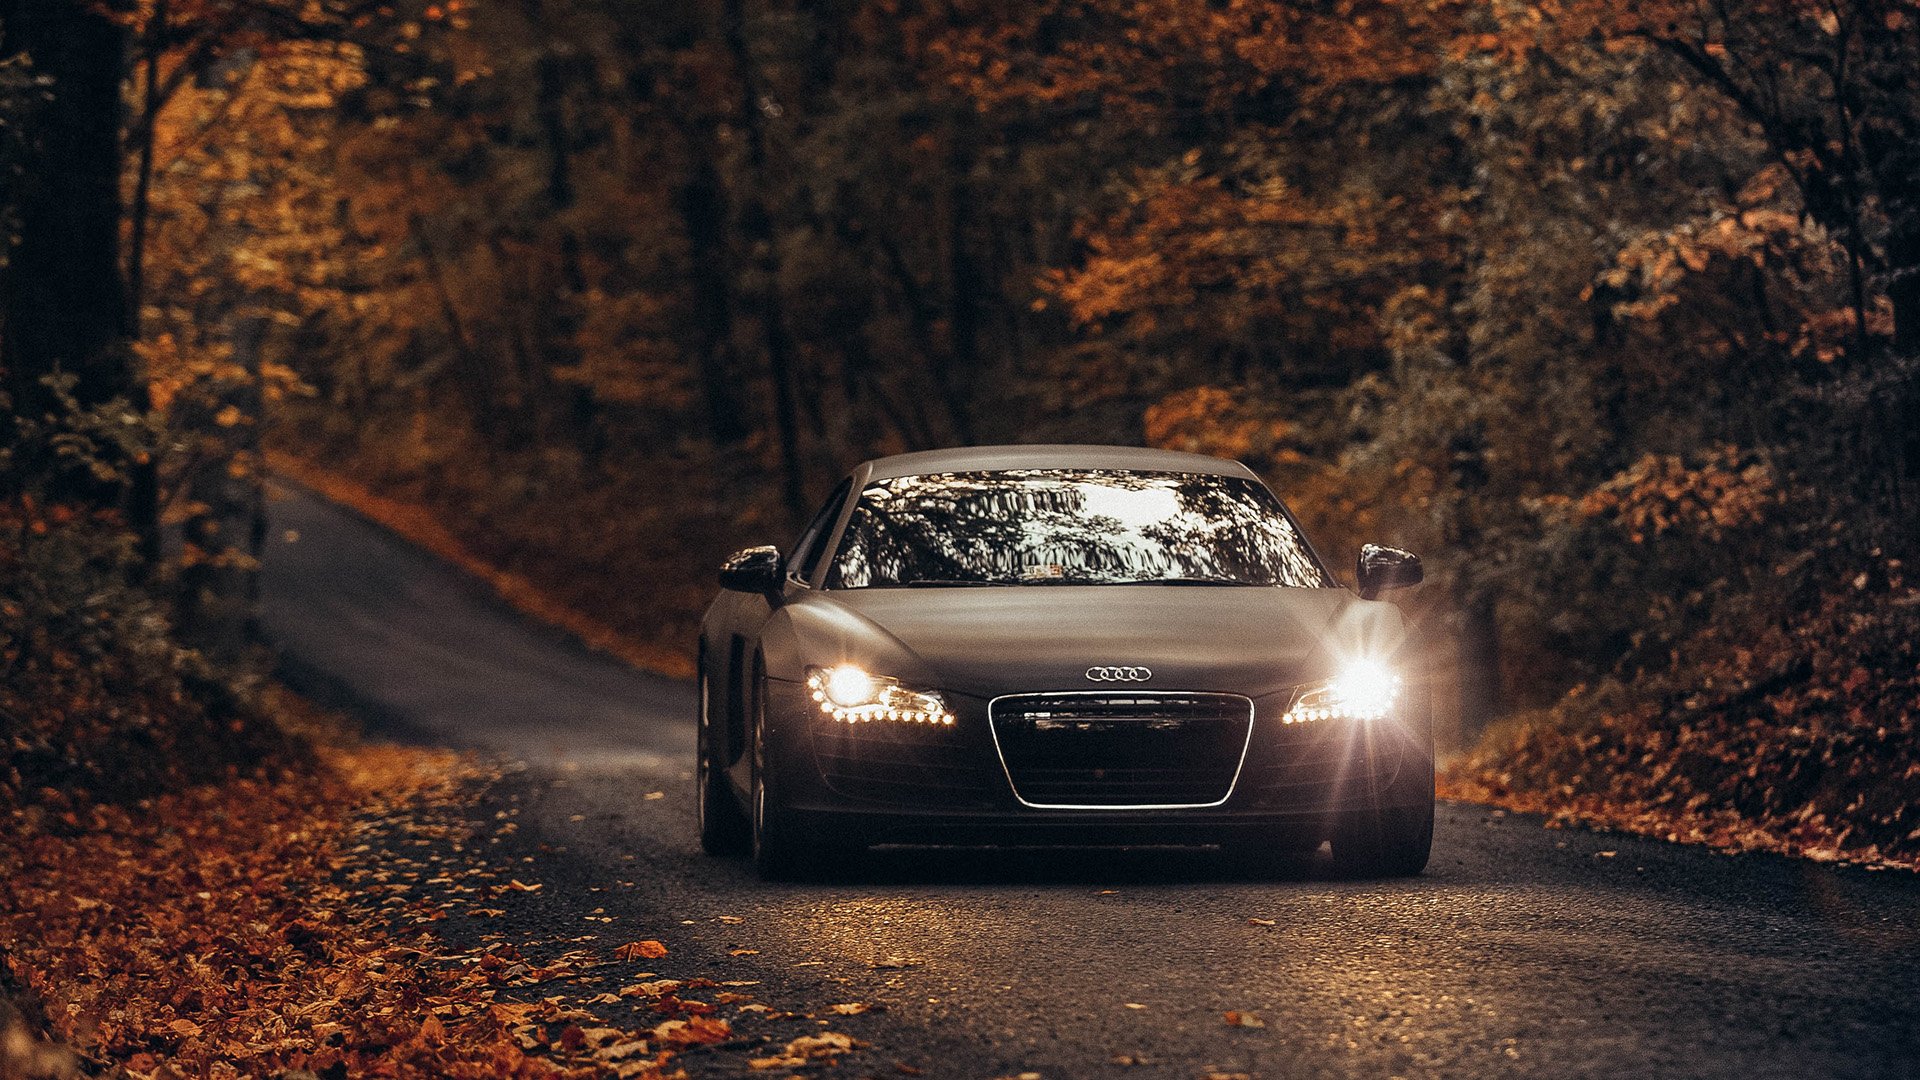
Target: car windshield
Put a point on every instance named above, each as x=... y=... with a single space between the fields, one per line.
x=1070 y=527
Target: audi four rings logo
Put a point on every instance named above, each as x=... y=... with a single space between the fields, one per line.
x=1119 y=674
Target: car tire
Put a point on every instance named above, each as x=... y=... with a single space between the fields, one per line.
x=784 y=849
x=1384 y=843
x=723 y=825
x=778 y=855
x=779 y=852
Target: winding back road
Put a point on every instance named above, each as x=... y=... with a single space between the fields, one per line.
x=1521 y=952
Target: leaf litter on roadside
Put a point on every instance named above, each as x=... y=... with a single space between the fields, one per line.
x=280 y=926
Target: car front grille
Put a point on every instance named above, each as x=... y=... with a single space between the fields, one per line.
x=1118 y=749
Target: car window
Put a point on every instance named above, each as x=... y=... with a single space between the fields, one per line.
x=807 y=549
x=1071 y=527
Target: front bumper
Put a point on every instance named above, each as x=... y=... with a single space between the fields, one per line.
x=878 y=783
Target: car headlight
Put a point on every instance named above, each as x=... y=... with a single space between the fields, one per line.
x=1364 y=690
x=852 y=695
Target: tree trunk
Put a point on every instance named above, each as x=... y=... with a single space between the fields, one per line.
x=1481 y=699
x=965 y=284
x=703 y=211
x=65 y=299
x=758 y=237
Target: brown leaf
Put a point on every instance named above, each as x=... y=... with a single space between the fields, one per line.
x=620 y=1051
x=827 y=1042
x=1244 y=1019
x=640 y=950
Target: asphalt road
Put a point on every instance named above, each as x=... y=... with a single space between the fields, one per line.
x=1521 y=952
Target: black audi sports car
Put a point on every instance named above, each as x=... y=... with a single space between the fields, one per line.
x=1072 y=645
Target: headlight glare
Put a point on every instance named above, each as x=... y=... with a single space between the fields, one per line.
x=851 y=695
x=849 y=687
x=1363 y=690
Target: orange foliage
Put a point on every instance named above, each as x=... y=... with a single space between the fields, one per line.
x=1803 y=741
x=1730 y=490
x=1142 y=53
x=1209 y=420
x=250 y=928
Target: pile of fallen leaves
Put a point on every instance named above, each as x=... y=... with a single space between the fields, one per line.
x=95 y=694
x=1801 y=741
x=255 y=928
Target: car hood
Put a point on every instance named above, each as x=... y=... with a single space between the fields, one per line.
x=1013 y=639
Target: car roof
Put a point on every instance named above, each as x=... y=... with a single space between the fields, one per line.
x=1051 y=456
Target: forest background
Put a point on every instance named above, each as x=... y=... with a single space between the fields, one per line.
x=1608 y=309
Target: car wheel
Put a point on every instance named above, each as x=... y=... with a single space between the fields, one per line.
x=784 y=850
x=723 y=827
x=1384 y=843
x=779 y=853
x=777 y=856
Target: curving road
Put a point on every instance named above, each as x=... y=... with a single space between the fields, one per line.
x=1521 y=952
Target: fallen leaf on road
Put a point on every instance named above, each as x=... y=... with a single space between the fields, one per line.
x=743 y=952
x=1224 y=1076
x=1131 y=1005
x=806 y=1047
x=892 y=962
x=520 y=886
x=654 y=795
x=651 y=989
x=602 y=1036
x=1605 y=854
x=729 y=919
x=640 y=950
x=855 y=1008
x=1134 y=1059
x=1261 y=922
x=487 y=912
x=185 y=1027
x=1244 y=1019
x=827 y=1042
x=620 y=1051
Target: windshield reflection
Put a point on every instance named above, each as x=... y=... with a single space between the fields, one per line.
x=1070 y=527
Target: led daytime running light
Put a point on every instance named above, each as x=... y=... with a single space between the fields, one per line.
x=1364 y=691
x=852 y=696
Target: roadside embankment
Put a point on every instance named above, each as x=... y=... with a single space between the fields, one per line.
x=1803 y=741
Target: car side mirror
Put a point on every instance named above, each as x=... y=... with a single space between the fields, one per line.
x=1383 y=568
x=754 y=570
